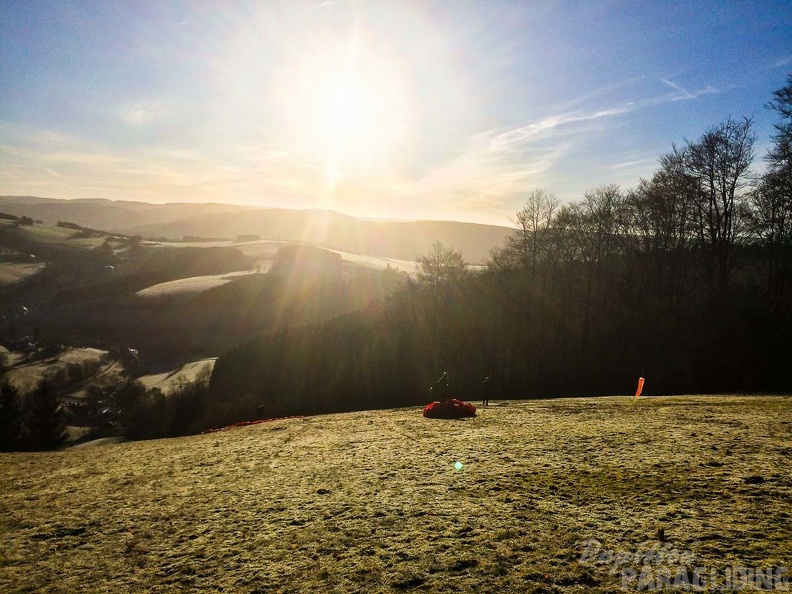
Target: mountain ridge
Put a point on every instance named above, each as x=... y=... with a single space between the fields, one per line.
x=399 y=239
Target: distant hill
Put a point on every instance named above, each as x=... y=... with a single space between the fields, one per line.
x=111 y=215
x=404 y=240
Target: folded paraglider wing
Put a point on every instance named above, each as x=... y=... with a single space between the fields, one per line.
x=449 y=409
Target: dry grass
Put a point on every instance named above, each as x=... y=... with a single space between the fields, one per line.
x=371 y=501
x=53 y=235
x=13 y=272
x=193 y=284
x=27 y=375
x=264 y=251
x=167 y=381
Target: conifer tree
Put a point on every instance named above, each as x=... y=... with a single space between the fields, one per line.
x=10 y=417
x=45 y=428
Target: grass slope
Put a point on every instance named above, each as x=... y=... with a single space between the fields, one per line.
x=193 y=284
x=371 y=501
x=27 y=375
x=13 y=272
x=168 y=380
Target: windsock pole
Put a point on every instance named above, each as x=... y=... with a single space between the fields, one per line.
x=640 y=387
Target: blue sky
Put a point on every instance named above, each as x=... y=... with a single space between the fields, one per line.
x=404 y=109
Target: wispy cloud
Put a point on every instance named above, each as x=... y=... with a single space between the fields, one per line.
x=683 y=94
x=780 y=63
x=540 y=129
x=602 y=91
x=498 y=166
x=633 y=163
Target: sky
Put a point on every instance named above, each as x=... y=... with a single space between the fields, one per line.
x=432 y=109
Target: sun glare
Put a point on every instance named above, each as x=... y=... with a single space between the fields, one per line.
x=348 y=111
x=345 y=119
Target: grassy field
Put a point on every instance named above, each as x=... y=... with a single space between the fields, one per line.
x=193 y=284
x=372 y=501
x=264 y=251
x=13 y=272
x=188 y=372
x=27 y=375
x=53 y=235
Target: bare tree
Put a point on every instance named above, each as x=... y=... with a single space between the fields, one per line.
x=533 y=223
x=597 y=229
x=718 y=166
x=602 y=225
x=771 y=208
x=780 y=155
x=441 y=268
x=440 y=272
x=661 y=228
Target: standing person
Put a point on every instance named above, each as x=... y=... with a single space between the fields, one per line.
x=486 y=390
x=441 y=387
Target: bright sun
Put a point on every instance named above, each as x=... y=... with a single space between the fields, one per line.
x=348 y=111
x=346 y=121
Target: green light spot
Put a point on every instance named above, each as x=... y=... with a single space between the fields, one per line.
x=457 y=465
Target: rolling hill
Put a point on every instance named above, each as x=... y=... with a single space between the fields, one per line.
x=404 y=240
x=98 y=213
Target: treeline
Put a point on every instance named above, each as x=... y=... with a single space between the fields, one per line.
x=86 y=230
x=140 y=413
x=685 y=279
x=37 y=420
x=32 y=421
x=23 y=220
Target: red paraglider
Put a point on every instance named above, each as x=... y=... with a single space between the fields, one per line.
x=449 y=409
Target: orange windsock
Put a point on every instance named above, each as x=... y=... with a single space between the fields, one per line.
x=640 y=387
